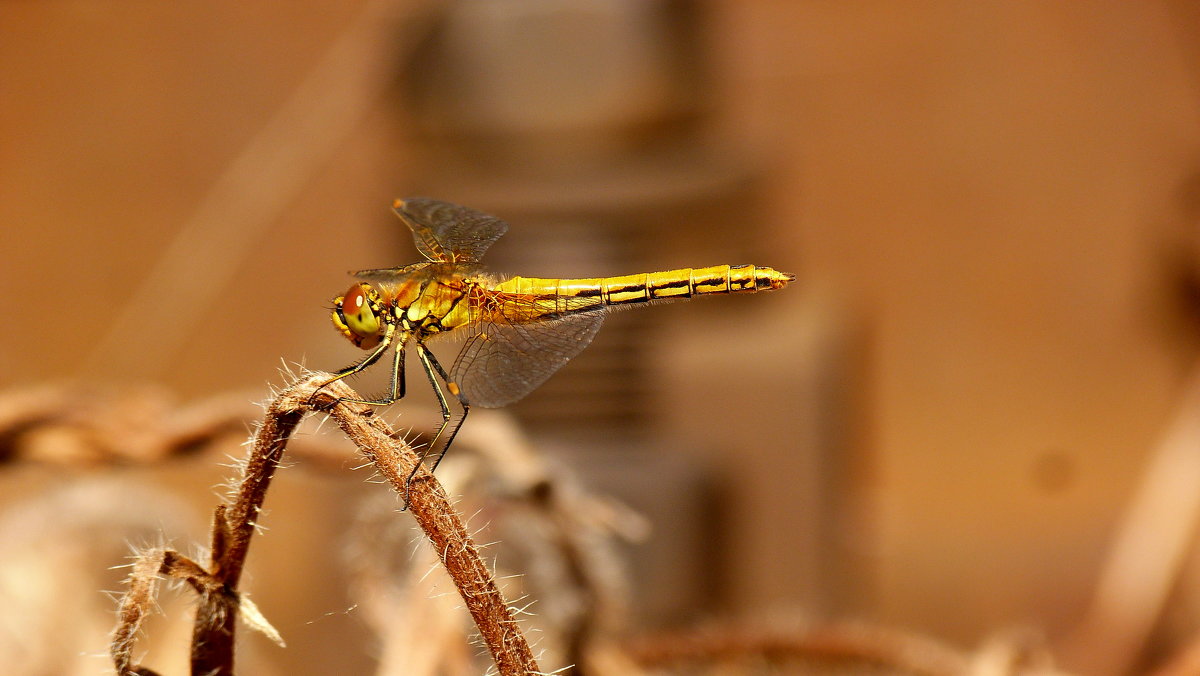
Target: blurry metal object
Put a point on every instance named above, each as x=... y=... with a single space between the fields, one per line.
x=587 y=118
x=594 y=123
x=538 y=85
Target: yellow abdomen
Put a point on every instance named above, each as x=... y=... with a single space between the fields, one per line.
x=589 y=294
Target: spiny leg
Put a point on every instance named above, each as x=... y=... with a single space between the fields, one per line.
x=365 y=362
x=462 y=401
x=395 y=389
x=433 y=369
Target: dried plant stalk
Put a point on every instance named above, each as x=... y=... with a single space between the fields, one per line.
x=437 y=518
x=217 y=613
x=149 y=567
x=233 y=526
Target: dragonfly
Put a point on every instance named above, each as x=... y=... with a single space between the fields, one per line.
x=517 y=331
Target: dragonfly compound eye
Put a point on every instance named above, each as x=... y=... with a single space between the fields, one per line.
x=356 y=315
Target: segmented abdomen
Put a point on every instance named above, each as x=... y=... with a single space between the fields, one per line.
x=582 y=295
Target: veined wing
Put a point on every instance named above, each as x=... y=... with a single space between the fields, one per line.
x=391 y=274
x=449 y=233
x=519 y=347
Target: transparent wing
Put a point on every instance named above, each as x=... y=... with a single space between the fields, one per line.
x=392 y=274
x=503 y=361
x=449 y=233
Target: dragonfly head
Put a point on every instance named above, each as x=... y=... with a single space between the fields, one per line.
x=357 y=315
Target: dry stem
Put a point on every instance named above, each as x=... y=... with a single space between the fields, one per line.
x=234 y=525
x=437 y=518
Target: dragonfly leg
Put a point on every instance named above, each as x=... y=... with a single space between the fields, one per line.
x=365 y=362
x=395 y=389
x=462 y=400
x=434 y=370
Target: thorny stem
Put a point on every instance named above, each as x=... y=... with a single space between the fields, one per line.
x=150 y=566
x=437 y=518
x=216 y=616
x=233 y=526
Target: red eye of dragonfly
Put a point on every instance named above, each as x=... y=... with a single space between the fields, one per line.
x=355 y=316
x=353 y=301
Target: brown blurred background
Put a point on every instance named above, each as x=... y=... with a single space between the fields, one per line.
x=991 y=208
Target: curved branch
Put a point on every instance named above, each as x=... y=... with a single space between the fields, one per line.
x=234 y=525
x=433 y=512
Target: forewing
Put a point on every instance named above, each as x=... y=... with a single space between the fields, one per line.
x=449 y=233
x=503 y=362
x=392 y=274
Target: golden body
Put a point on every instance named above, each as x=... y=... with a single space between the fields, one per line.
x=518 y=331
